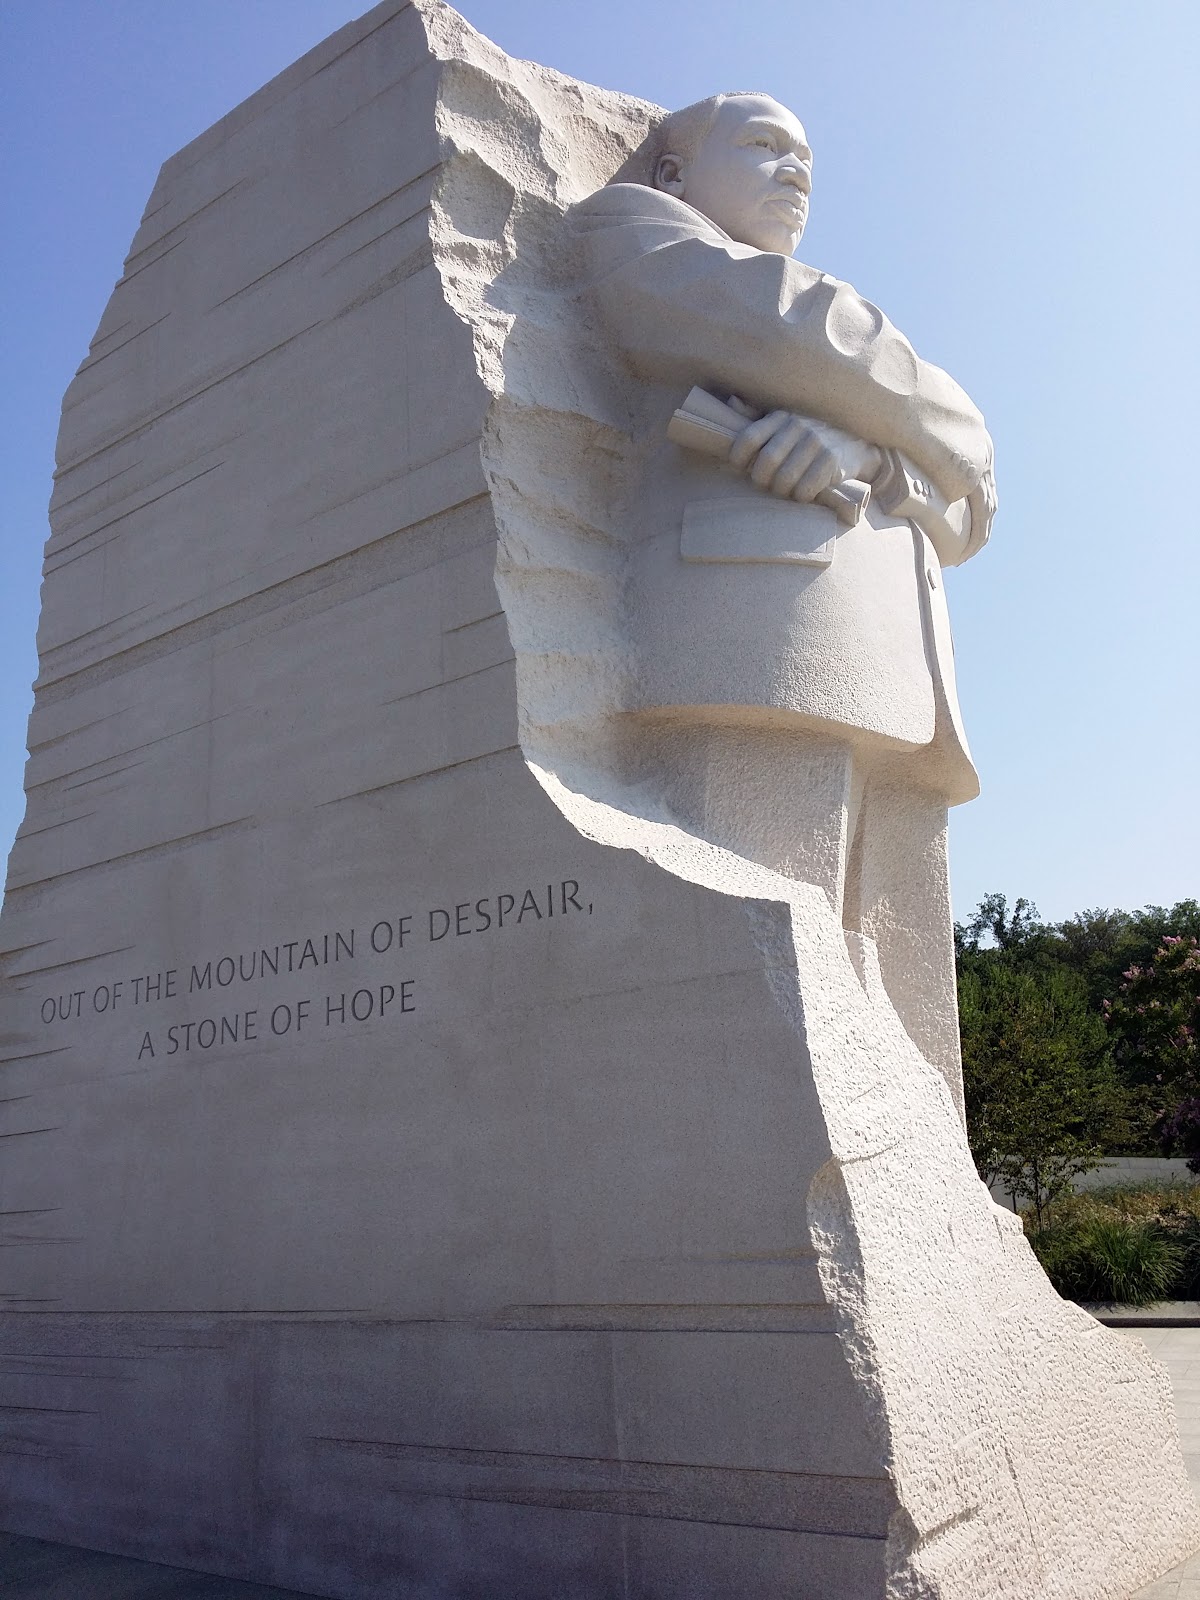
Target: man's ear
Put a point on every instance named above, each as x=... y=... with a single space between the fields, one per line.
x=668 y=175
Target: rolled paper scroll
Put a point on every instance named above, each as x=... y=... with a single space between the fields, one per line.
x=709 y=426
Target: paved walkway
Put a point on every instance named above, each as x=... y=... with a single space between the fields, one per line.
x=1179 y=1351
x=31 y=1569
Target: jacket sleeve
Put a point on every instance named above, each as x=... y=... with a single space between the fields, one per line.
x=687 y=304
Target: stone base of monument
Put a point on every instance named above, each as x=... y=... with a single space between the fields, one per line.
x=430 y=1171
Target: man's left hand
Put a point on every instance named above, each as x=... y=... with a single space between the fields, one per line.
x=798 y=458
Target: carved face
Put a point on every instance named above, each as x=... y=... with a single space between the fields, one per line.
x=751 y=175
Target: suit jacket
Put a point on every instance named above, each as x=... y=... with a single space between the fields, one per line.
x=688 y=299
x=844 y=629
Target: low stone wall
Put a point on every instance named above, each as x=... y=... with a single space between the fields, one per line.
x=1119 y=1169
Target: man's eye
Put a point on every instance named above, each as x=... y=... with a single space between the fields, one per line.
x=765 y=144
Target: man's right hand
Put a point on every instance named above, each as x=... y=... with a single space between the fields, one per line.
x=797 y=458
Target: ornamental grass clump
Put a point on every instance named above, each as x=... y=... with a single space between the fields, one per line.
x=1131 y=1243
x=1130 y=1262
x=1183 y=1228
x=1111 y=1258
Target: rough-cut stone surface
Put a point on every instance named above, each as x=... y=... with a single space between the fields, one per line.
x=433 y=1164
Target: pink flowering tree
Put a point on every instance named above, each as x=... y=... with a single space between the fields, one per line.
x=1154 y=1022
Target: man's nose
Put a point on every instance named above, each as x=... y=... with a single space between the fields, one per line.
x=795 y=174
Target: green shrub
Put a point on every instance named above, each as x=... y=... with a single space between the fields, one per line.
x=1110 y=1257
x=1183 y=1228
x=1057 y=1248
x=1132 y=1243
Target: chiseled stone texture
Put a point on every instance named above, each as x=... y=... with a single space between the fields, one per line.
x=426 y=1172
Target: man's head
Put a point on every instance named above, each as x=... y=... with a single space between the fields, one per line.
x=743 y=161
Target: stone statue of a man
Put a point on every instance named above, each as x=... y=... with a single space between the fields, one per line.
x=771 y=636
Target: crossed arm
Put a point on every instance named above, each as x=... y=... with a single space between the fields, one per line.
x=799 y=458
x=847 y=394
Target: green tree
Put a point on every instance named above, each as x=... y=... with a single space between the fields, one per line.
x=1102 y=945
x=1139 y=986
x=1043 y=1100
x=1154 y=1022
x=1018 y=931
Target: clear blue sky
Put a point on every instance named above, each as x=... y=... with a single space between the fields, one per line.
x=1013 y=181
